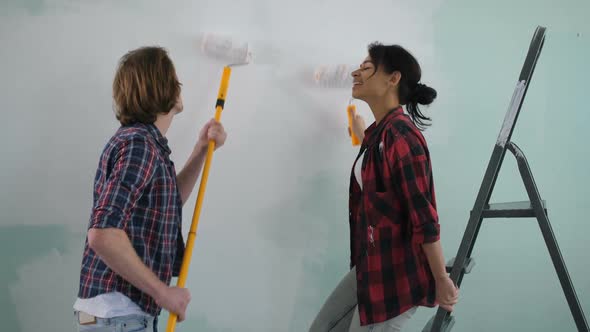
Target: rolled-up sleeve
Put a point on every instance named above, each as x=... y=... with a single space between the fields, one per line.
x=412 y=174
x=133 y=167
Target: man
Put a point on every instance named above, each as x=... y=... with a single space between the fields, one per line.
x=134 y=244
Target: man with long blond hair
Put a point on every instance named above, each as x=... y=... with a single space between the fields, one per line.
x=134 y=244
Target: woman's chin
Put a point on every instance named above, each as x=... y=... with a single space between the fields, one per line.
x=357 y=95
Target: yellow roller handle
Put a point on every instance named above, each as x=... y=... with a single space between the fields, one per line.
x=350 y=110
x=190 y=242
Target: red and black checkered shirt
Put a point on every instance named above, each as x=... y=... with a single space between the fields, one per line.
x=135 y=190
x=390 y=218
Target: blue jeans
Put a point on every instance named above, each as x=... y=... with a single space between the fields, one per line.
x=131 y=323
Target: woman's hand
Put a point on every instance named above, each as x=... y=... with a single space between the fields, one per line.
x=447 y=294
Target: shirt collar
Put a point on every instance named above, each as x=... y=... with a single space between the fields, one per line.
x=161 y=140
x=374 y=131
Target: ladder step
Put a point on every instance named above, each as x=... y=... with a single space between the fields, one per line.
x=469 y=264
x=447 y=324
x=521 y=209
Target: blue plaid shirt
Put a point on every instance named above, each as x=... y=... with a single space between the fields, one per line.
x=135 y=190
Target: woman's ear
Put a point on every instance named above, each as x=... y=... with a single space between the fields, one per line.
x=395 y=77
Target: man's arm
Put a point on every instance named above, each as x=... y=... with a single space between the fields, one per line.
x=114 y=248
x=187 y=177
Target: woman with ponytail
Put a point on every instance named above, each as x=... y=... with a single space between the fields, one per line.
x=396 y=258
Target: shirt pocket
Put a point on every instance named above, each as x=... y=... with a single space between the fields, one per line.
x=382 y=254
x=382 y=208
x=385 y=220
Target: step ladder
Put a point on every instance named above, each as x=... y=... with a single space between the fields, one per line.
x=463 y=263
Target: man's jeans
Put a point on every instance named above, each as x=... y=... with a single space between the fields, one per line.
x=131 y=323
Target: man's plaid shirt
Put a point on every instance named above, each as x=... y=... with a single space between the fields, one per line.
x=135 y=190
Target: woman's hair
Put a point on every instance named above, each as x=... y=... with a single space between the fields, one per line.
x=394 y=58
x=145 y=85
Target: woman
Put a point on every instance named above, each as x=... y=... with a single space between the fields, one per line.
x=396 y=257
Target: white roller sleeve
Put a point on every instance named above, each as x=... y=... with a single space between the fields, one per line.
x=334 y=76
x=225 y=48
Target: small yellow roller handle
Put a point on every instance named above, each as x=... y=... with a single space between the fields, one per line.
x=350 y=110
x=190 y=242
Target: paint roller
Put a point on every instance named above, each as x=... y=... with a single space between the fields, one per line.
x=223 y=48
x=226 y=48
x=338 y=76
x=334 y=76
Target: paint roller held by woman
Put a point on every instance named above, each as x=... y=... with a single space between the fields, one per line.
x=396 y=258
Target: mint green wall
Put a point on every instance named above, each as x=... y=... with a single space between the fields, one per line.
x=268 y=263
x=482 y=47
